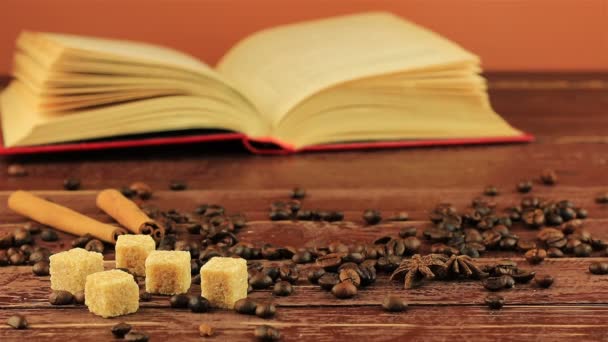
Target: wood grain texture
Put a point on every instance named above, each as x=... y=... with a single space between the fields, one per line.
x=567 y=113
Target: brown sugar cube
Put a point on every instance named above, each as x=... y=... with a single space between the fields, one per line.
x=111 y=293
x=224 y=281
x=168 y=272
x=69 y=269
x=132 y=251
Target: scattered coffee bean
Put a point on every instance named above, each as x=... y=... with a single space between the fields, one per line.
x=179 y=301
x=81 y=241
x=177 y=185
x=49 y=235
x=21 y=237
x=205 y=330
x=245 y=306
x=393 y=304
x=17 y=322
x=490 y=191
x=4 y=258
x=350 y=275
x=524 y=186
x=41 y=268
x=344 y=290
x=279 y=215
x=61 y=298
x=6 y=240
x=602 y=198
x=536 y=256
x=494 y=302
x=267 y=333
x=289 y=272
x=314 y=275
x=260 y=280
x=16 y=170
x=407 y=232
x=282 y=288
x=141 y=190
x=71 y=184
x=372 y=216
x=17 y=259
x=145 y=296
x=598 y=268
x=302 y=257
x=121 y=329
x=198 y=304
x=554 y=252
x=136 y=336
x=127 y=192
x=79 y=297
x=298 y=193
x=544 y=281
x=328 y=280
x=94 y=246
x=548 y=177
x=583 y=250
x=495 y=283
x=266 y=310
x=33 y=227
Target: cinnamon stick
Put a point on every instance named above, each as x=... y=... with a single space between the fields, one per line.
x=61 y=218
x=128 y=214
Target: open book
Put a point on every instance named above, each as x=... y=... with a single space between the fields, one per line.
x=348 y=81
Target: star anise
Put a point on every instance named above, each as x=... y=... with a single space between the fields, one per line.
x=463 y=265
x=419 y=267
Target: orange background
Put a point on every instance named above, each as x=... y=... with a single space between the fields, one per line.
x=507 y=34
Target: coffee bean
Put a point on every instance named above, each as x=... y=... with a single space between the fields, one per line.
x=490 y=191
x=279 y=215
x=61 y=298
x=177 y=185
x=33 y=227
x=4 y=258
x=179 y=301
x=6 y=240
x=282 y=288
x=245 y=306
x=544 y=281
x=524 y=186
x=81 y=241
x=26 y=250
x=141 y=190
x=548 y=177
x=267 y=333
x=344 y=290
x=583 y=250
x=302 y=257
x=304 y=215
x=554 y=252
x=523 y=276
x=525 y=245
x=393 y=304
x=602 y=198
x=330 y=262
x=198 y=304
x=411 y=245
x=536 y=256
x=94 y=246
x=121 y=329
x=314 y=275
x=41 y=268
x=371 y=216
x=136 y=336
x=289 y=273
x=534 y=218
x=260 y=280
x=71 y=184
x=494 y=302
x=581 y=213
x=598 y=268
x=16 y=170
x=21 y=237
x=335 y=216
x=328 y=280
x=408 y=231
x=17 y=259
x=145 y=296
x=350 y=275
x=17 y=322
x=495 y=283
x=127 y=192
x=49 y=235
x=400 y=216
x=79 y=297
x=266 y=310
x=205 y=330
x=298 y=193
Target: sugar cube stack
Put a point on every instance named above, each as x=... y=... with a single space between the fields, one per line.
x=69 y=269
x=224 y=281
x=111 y=293
x=168 y=272
x=132 y=251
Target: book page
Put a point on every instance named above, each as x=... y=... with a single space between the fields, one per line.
x=278 y=68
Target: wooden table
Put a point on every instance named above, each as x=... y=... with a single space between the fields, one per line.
x=567 y=113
